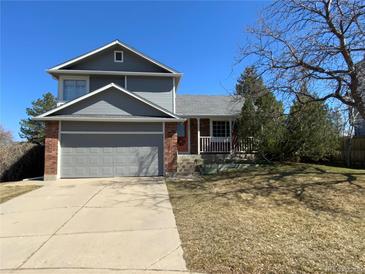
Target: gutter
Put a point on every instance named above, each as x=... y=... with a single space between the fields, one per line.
x=108 y=119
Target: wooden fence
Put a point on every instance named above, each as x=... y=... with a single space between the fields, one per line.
x=357 y=154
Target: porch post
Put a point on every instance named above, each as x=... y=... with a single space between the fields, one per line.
x=198 y=128
x=230 y=136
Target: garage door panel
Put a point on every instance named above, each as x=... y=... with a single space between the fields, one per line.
x=98 y=155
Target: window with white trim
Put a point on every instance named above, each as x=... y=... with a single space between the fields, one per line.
x=73 y=88
x=220 y=128
x=118 y=56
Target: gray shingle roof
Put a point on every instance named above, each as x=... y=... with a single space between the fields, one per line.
x=205 y=105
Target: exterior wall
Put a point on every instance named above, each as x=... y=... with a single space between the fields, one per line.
x=193 y=136
x=98 y=81
x=51 y=151
x=158 y=90
x=104 y=60
x=204 y=131
x=170 y=148
x=111 y=102
x=204 y=127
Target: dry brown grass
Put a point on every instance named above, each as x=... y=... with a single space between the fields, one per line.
x=293 y=218
x=8 y=192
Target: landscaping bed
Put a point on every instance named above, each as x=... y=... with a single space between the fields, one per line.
x=292 y=218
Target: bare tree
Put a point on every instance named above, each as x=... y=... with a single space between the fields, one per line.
x=5 y=136
x=316 y=42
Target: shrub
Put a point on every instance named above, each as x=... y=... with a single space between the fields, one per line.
x=21 y=160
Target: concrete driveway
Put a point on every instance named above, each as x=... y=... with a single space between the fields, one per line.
x=91 y=226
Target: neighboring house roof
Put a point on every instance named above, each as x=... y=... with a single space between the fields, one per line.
x=207 y=105
x=115 y=42
x=112 y=85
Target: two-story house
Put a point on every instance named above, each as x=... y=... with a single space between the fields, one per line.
x=118 y=114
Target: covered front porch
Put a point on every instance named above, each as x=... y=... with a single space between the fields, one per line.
x=204 y=135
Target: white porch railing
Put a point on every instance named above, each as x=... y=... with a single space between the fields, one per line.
x=210 y=144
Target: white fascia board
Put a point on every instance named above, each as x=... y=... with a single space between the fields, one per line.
x=109 y=119
x=116 y=42
x=101 y=90
x=109 y=72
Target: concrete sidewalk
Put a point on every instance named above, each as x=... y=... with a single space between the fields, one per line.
x=111 y=225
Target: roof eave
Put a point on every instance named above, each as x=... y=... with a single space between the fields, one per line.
x=108 y=119
x=56 y=72
x=209 y=115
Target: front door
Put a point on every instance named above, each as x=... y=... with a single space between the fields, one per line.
x=182 y=137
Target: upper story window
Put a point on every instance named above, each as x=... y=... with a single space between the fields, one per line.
x=118 y=56
x=71 y=87
x=220 y=129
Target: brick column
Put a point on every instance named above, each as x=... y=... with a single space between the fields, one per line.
x=51 y=151
x=170 y=148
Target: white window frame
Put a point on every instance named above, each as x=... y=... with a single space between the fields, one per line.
x=69 y=77
x=220 y=120
x=115 y=54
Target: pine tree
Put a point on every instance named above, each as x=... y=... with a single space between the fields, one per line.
x=250 y=84
x=261 y=115
x=313 y=134
x=32 y=130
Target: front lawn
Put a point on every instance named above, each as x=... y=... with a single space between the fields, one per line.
x=8 y=191
x=292 y=218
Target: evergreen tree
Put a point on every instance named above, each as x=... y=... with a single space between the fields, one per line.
x=250 y=84
x=261 y=115
x=32 y=130
x=313 y=133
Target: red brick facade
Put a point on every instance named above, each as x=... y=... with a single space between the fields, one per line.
x=51 y=150
x=170 y=148
x=204 y=127
x=204 y=131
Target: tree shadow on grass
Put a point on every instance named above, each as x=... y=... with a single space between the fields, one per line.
x=307 y=186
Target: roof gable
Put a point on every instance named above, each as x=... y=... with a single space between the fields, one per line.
x=110 y=100
x=103 y=59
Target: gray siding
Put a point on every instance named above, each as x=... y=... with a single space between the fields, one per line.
x=104 y=60
x=158 y=90
x=111 y=102
x=98 y=81
x=111 y=126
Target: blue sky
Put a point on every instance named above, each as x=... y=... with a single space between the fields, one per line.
x=199 y=39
